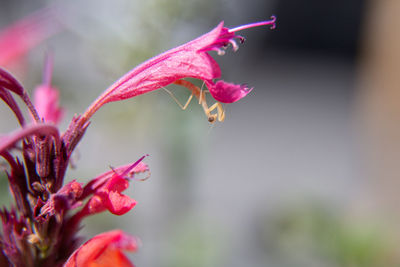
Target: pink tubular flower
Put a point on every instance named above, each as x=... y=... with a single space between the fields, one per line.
x=190 y=60
x=46 y=97
x=17 y=39
x=104 y=250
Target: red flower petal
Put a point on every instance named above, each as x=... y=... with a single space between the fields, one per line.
x=109 y=197
x=106 y=190
x=104 y=250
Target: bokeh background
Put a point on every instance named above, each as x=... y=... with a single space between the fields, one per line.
x=303 y=171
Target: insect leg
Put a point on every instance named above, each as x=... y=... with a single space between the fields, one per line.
x=220 y=112
x=177 y=101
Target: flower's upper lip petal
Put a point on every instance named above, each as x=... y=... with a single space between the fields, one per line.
x=194 y=45
x=205 y=39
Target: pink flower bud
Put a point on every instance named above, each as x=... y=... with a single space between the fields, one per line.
x=46 y=98
x=46 y=101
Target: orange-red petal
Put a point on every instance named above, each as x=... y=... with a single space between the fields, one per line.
x=105 y=249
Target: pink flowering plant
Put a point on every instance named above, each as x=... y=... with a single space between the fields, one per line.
x=41 y=228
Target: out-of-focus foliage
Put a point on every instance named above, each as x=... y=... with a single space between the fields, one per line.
x=194 y=243
x=4 y=194
x=317 y=236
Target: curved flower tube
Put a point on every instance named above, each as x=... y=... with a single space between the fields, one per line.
x=190 y=60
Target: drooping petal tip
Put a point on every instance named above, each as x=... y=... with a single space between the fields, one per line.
x=225 y=92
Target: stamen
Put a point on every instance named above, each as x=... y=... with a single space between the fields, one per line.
x=220 y=52
x=235 y=46
x=127 y=171
x=256 y=24
x=143 y=179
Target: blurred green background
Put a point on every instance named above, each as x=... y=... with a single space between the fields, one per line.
x=285 y=180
